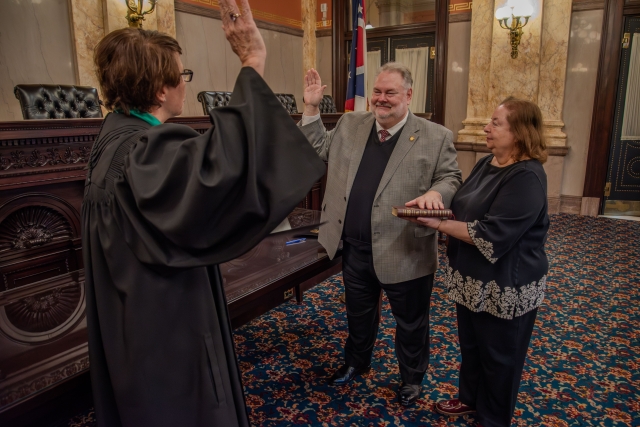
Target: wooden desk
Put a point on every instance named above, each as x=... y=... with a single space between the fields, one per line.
x=273 y=272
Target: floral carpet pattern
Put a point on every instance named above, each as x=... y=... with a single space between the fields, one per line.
x=583 y=366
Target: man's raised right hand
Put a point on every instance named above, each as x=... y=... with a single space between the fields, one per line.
x=313 y=90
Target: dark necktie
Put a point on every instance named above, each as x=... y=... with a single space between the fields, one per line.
x=384 y=134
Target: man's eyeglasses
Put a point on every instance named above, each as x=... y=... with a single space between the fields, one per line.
x=187 y=75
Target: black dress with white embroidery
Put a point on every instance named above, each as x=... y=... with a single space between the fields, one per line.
x=505 y=209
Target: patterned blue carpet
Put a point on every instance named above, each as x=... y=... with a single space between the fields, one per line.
x=583 y=367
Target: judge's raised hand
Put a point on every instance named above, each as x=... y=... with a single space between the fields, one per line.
x=242 y=33
x=313 y=90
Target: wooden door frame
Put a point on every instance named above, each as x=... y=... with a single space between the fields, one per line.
x=338 y=40
x=602 y=126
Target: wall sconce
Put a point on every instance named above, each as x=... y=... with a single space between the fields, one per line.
x=135 y=14
x=519 y=11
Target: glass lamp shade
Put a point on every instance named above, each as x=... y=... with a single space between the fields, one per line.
x=503 y=13
x=523 y=9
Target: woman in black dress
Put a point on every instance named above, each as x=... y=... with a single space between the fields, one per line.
x=497 y=263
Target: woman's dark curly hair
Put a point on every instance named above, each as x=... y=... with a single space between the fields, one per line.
x=133 y=65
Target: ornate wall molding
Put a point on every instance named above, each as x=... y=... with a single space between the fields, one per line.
x=18 y=159
x=215 y=14
x=60 y=368
x=460 y=17
x=579 y=5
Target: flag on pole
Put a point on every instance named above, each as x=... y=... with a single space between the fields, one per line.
x=356 y=98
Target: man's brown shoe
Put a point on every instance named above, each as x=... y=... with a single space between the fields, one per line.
x=453 y=408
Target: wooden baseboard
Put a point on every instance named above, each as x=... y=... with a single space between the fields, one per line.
x=570 y=204
x=52 y=406
x=575 y=205
x=590 y=206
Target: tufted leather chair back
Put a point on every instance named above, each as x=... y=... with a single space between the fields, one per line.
x=58 y=102
x=327 y=105
x=210 y=100
x=288 y=101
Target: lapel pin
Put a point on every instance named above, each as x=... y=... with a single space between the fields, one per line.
x=412 y=138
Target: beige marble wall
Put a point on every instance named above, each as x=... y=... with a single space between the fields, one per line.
x=35 y=47
x=517 y=77
x=87 y=21
x=482 y=21
x=309 y=44
x=581 y=75
x=553 y=64
x=166 y=17
x=206 y=51
x=324 y=64
x=457 y=75
x=458 y=86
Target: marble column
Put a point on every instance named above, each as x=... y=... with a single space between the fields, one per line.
x=92 y=19
x=537 y=74
x=166 y=17
x=309 y=36
x=478 y=108
x=553 y=67
x=87 y=22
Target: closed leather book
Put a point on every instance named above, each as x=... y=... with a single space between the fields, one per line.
x=413 y=212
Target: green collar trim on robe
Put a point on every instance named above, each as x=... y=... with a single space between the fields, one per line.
x=147 y=117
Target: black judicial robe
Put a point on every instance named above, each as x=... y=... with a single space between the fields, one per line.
x=163 y=206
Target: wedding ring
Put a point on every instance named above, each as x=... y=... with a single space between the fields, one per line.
x=234 y=16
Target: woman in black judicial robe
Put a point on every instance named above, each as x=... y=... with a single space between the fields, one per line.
x=163 y=206
x=497 y=263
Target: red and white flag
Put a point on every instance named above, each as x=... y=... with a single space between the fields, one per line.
x=356 y=97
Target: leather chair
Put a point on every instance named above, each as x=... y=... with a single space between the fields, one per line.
x=210 y=100
x=327 y=105
x=58 y=102
x=288 y=101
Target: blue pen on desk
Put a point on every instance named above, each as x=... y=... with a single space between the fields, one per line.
x=296 y=241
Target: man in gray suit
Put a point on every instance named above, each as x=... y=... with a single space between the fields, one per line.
x=377 y=160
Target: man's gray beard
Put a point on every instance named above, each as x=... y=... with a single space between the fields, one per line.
x=382 y=116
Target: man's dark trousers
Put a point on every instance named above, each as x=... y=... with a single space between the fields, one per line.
x=410 y=302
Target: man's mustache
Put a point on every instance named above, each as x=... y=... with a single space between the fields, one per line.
x=380 y=104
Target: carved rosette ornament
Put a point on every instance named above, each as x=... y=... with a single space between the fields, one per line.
x=33 y=226
x=46 y=311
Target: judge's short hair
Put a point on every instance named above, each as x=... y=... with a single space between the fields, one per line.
x=397 y=67
x=525 y=122
x=133 y=65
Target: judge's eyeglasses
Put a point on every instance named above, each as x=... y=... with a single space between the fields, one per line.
x=187 y=75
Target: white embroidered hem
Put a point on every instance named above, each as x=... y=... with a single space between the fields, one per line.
x=505 y=303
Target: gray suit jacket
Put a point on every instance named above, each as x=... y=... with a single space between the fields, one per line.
x=424 y=159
